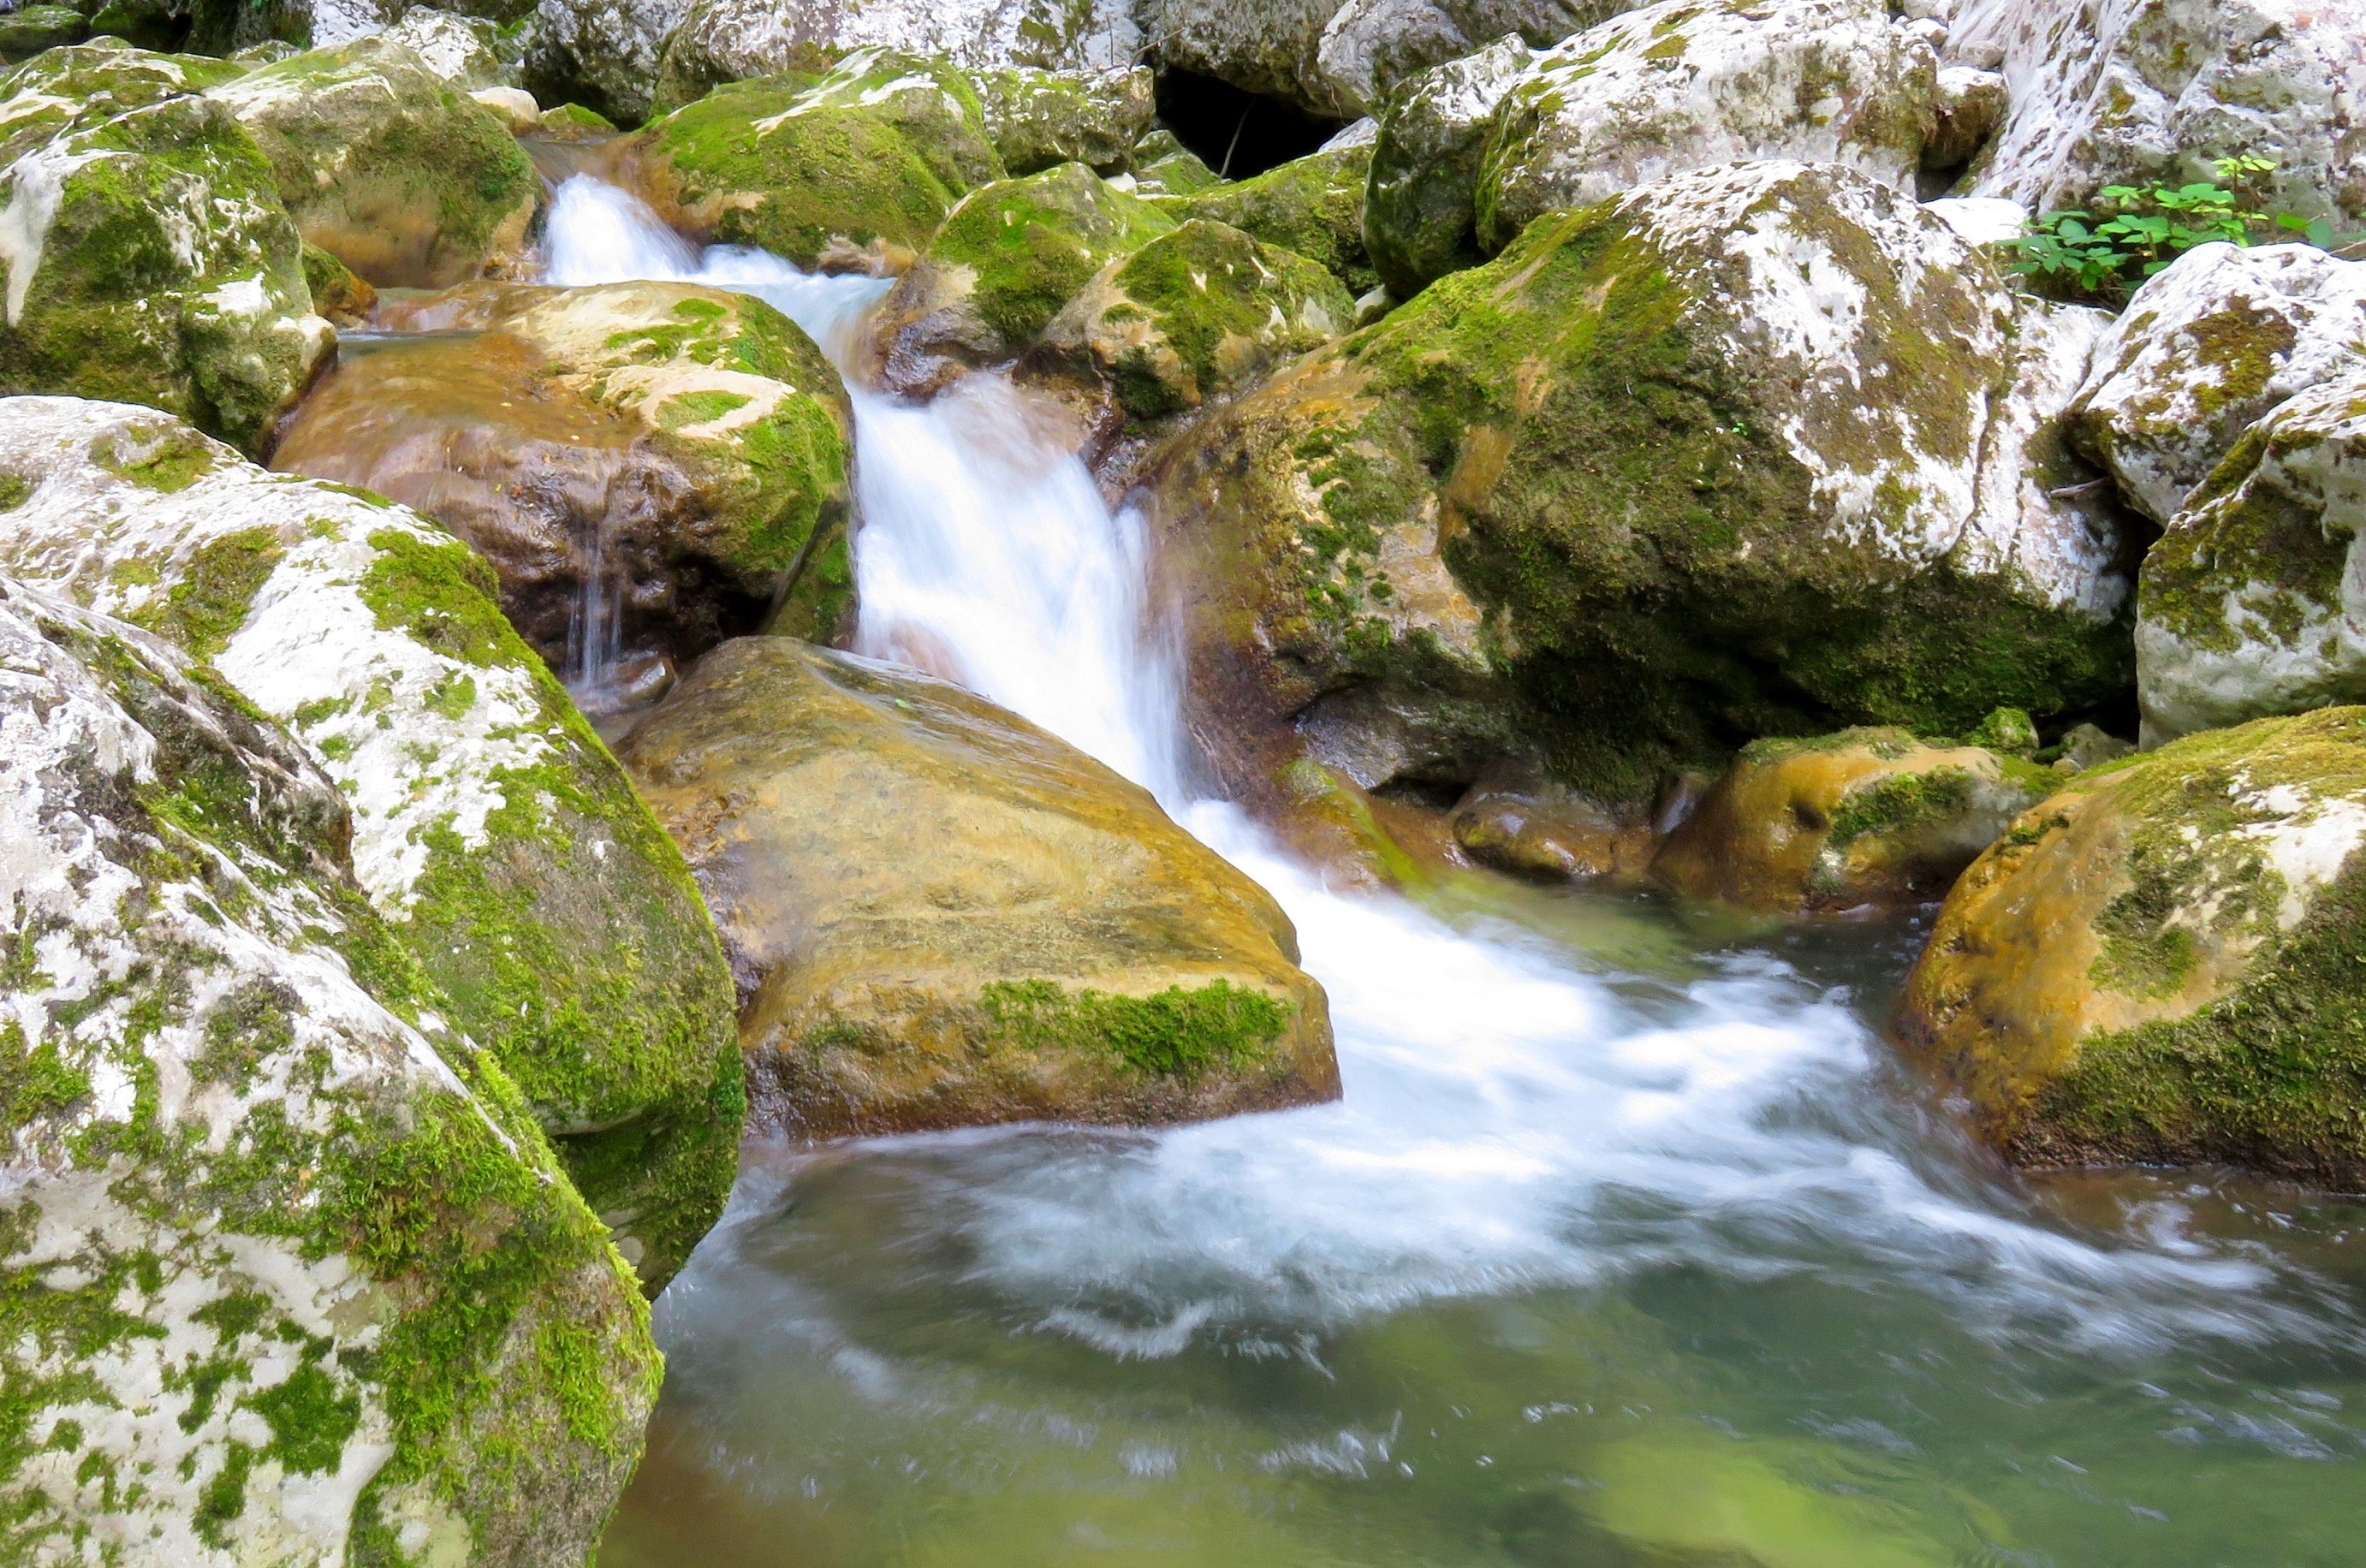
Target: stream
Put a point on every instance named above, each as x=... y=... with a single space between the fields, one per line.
x=1629 y=1243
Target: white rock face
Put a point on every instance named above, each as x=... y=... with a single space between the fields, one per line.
x=463 y=50
x=1682 y=85
x=605 y=51
x=2205 y=348
x=1420 y=212
x=212 y=1122
x=2254 y=601
x=2109 y=92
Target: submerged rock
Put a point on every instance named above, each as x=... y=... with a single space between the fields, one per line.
x=1007 y=258
x=1191 y=315
x=1532 y=827
x=146 y=254
x=2205 y=348
x=1313 y=206
x=665 y=459
x=1685 y=84
x=491 y=829
x=1757 y=446
x=387 y=167
x=2254 y=601
x=1421 y=218
x=840 y=167
x=941 y=916
x=2156 y=92
x=1863 y=816
x=286 y=1270
x=2160 y=963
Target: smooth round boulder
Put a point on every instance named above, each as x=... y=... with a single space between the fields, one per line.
x=1039 y=119
x=491 y=831
x=287 y=1273
x=389 y=168
x=147 y=256
x=941 y=916
x=2159 y=964
x=1870 y=815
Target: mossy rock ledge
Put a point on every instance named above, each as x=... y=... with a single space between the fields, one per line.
x=386 y=166
x=1313 y=206
x=2159 y=964
x=698 y=435
x=1757 y=450
x=491 y=831
x=1871 y=815
x=851 y=168
x=940 y=916
x=146 y=254
x=288 y=1272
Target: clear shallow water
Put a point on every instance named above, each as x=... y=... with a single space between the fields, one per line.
x=1626 y=1245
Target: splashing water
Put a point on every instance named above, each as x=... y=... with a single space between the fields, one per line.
x=1623 y=1163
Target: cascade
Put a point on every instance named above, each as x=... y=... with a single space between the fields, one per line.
x=1512 y=1123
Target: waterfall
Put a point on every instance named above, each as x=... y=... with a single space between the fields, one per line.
x=1509 y=1120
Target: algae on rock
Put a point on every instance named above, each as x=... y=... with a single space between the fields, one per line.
x=941 y=916
x=287 y=1273
x=491 y=830
x=2159 y=964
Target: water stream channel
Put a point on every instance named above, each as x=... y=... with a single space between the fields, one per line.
x=1629 y=1243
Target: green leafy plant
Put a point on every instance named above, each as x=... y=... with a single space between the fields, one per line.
x=2138 y=229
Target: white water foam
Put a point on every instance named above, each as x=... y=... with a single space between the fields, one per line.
x=1508 y=1122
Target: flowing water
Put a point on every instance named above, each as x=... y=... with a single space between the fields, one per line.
x=1628 y=1244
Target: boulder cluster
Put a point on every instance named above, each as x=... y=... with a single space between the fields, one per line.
x=1611 y=445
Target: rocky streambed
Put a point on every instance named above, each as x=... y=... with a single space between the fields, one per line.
x=1408 y=789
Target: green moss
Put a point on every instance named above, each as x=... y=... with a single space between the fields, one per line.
x=37 y=1082
x=213 y=591
x=312 y=1418
x=573 y=1363
x=15 y=490
x=1174 y=1033
x=1032 y=243
x=168 y=465
x=1900 y=803
x=223 y=1498
x=1311 y=205
x=698 y=408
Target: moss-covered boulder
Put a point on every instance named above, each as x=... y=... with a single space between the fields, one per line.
x=2205 y=348
x=1313 y=206
x=2159 y=964
x=2254 y=601
x=1756 y=449
x=1009 y=256
x=665 y=453
x=941 y=916
x=146 y=254
x=1038 y=118
x=339 y=294
x=855 y=165
x=1684 y=85
x=287 y=1273
x=491 y=830
x=1864 y=817
x=1193 y=314
x=1161 y=170
x=29 y=30
x=386 y=166
x=1420 y=215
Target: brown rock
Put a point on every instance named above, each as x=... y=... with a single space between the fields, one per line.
x=941 y=916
